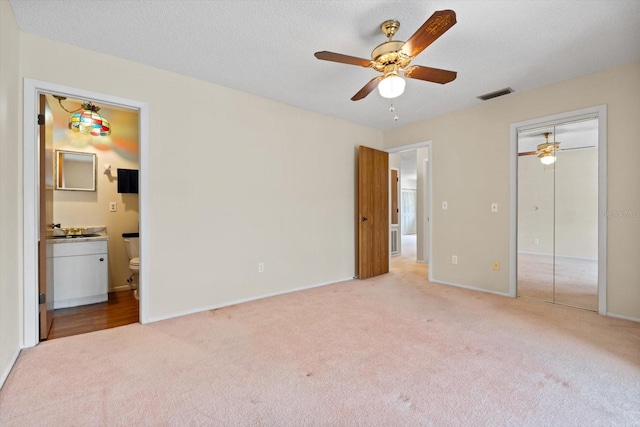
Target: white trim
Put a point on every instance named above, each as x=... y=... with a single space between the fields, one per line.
x=472 y=288
x=243 y=300
x=407 y=147
x=399 y=224
x=620 y=316
x=427 y=209
x=32 y=89
x=121 y=288
x=7 y=371
x=599 y=111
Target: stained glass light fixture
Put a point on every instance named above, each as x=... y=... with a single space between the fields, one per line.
x=87 y=120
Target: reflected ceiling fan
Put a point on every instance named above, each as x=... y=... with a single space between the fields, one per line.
x=394 y=56
x=546 y=151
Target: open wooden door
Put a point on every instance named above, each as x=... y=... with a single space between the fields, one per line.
x=373 y=212
x=45 y=246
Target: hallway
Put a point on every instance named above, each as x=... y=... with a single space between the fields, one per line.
x=406 y=262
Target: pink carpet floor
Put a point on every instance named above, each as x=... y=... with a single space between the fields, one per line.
x=390 y=351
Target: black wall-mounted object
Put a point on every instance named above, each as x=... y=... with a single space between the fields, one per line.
x=127 y=181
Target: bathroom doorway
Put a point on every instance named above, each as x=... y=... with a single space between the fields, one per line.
x=118 y=146
x=89 y=196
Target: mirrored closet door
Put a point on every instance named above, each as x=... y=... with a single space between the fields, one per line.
x=558 y=214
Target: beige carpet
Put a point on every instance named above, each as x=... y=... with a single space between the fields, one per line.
x=391 y=351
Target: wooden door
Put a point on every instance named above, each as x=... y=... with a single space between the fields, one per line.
x=373 y=212
x=45 y=246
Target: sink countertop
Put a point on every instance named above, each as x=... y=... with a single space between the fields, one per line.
x=62 y=239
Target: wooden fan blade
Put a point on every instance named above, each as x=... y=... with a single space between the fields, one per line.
x=366 y=90
x=344 y=59
x=527 y=153
x=429 y=74
x=433 y=28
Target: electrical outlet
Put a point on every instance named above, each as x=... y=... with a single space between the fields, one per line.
x=113 y=206
x=536 y=241
x=496 y=265
x=261 y=267
x=445 y=206
x=494 y=207
x=454 y=259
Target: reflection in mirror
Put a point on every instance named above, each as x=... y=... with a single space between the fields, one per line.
x=75 y=171
x=558 y=216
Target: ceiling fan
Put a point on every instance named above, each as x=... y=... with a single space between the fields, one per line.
x=394 y=56
x=546 y=151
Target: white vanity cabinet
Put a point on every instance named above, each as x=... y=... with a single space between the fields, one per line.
x=80 y=272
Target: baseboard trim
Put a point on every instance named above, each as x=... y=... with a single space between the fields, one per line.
x=7 y=371
x=120 y=288
x=243 y=300
x=620 y=316
x=471 y=288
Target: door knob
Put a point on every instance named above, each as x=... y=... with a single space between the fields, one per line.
x=101 y=259
x=364 y=218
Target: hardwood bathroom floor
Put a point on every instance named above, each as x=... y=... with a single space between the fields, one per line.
x=121 y=309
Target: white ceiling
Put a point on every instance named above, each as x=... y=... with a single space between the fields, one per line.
x=266 y=47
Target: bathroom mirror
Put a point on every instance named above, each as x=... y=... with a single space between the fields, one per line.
x=75 y=171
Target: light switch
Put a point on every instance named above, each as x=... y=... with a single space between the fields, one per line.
x=494 y=207
x=113 y=207
x=445 y=206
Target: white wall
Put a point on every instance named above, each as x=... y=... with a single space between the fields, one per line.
x=470 y=167
x=10 y=213
x=237 y=181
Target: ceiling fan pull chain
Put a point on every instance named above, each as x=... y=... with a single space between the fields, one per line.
x=393 y=109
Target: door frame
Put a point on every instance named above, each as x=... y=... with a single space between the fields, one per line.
x=31 y=211
x=399 y=224
x=427 y=206
x=426 y=241
x=599 y=112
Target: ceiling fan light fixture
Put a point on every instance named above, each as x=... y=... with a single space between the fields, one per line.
x=547 y=151
x=391 y=86
x=548 y=159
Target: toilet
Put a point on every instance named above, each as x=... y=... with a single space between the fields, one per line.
x=132 y=246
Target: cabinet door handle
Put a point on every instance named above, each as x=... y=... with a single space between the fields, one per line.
x=101 y=259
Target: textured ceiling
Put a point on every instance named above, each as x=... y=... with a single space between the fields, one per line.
x=266 y=47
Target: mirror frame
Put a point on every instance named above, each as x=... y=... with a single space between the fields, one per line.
x=60 y=168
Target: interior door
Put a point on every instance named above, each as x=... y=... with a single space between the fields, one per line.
x=373 y=212
x=45 y=245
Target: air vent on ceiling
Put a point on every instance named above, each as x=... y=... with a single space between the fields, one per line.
x=495 y=94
